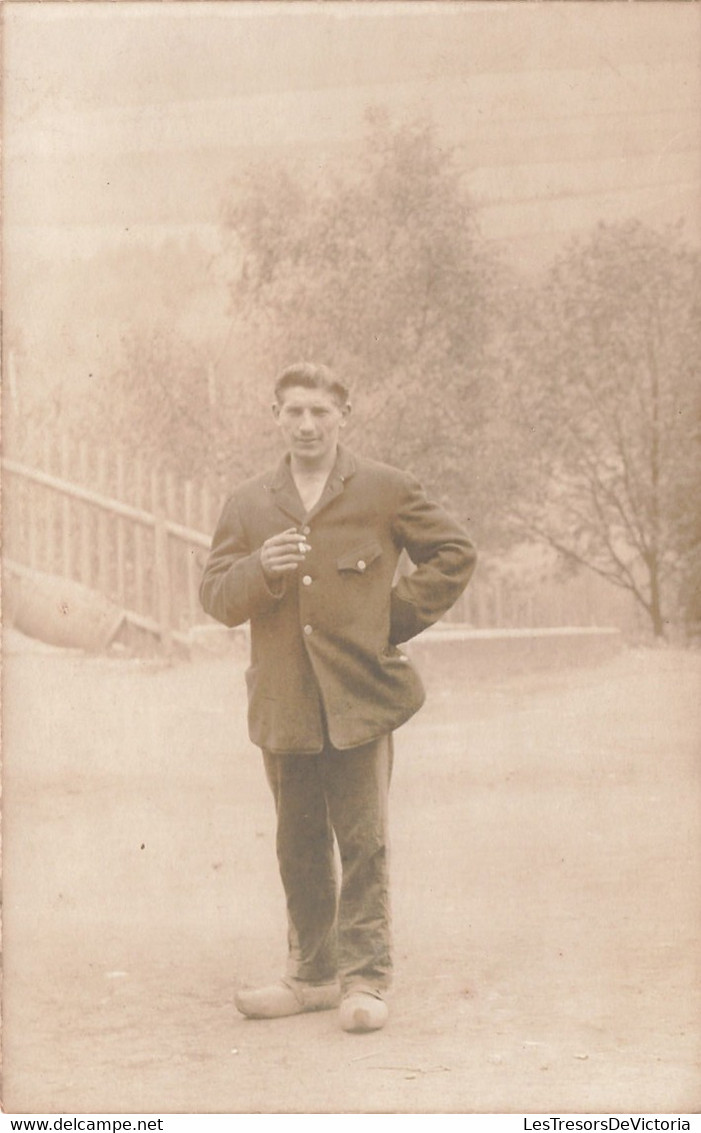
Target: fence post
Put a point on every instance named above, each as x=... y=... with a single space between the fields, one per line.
x=66 y=513
x=49 y=509
x=161 y=566
x=120 y=483
x=85 y=519
x=190 y=570
x=162 y=580
x=103 y=550
x=498 y=608
x=30 y=514
x=138 y=540
x=206 y=507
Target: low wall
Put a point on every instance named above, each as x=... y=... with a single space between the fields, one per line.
x=447 y=649
x=487 y=652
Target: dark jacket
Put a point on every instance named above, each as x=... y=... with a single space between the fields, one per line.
x=324 y=638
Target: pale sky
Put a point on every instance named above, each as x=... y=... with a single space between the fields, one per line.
x=135 y=115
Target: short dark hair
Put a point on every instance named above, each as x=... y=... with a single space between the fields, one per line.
x=311 y=376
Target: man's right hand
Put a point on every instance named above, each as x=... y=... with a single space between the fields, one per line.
x=283 y=552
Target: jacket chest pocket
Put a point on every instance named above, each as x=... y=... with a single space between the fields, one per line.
x=360 y=559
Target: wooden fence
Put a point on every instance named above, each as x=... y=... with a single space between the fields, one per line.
x=494 y=600
x=139 y=537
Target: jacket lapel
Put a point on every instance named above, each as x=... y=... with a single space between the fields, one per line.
x=342 y=471
x=286 y=496
x=284 y=493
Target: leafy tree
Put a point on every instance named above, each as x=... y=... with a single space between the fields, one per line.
x=379 y=271
x=163 y=405
x=375 y=267
x=603 y=370
x=158 y=401
x=80 y=317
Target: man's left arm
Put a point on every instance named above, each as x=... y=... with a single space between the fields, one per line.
x=444 y=557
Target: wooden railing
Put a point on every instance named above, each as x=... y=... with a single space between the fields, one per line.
x=140 y=537
x=139 y=556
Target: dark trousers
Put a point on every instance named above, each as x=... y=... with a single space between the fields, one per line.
x=341 y=793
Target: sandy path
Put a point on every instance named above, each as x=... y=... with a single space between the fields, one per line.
x=546 y=839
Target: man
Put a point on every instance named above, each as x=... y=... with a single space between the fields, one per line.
x=308 y=552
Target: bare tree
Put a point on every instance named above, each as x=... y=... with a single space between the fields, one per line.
x=604 y=377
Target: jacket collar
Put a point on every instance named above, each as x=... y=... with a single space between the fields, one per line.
x=286 y=495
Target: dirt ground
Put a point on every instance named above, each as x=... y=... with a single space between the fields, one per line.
x=546 y=835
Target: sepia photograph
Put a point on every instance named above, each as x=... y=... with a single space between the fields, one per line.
x=351 y=572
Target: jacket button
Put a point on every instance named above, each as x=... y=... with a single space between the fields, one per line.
x=306 y=530
x=308 y=629
x=361 y=564
x=307 y=580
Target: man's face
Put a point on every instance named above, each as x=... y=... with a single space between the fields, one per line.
x=310 y=421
